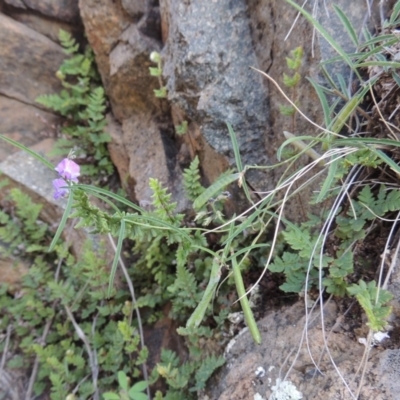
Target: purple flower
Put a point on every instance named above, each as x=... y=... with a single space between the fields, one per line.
x=68 y=170
x=60 y=188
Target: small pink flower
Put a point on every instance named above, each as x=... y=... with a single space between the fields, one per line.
x=60 y=188
x=68 y=170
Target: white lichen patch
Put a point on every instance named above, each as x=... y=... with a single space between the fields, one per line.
x=376 y=339
x=379 y=336
x=285 y=390
x=232 y=342
x=260 y=372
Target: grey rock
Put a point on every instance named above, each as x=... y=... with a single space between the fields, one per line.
x=130 y=85
x=64 y=10
x=361 y=17
x=24 y=123
x=48 y=27
x=311 y=364
x=390 y=371
x=28 y=62
x=16 y=3
x=208 y=56
x=136 y=9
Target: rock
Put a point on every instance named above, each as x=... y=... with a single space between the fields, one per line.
x=44 y=25
x=147 y=156
x=273 y=44
x=150 y=156
x=122 y=54
x=143 y=147
x=309 y=368
x=119 y=155
x=16 y=3
x=131 y=88
x=394 y=288
x=208 y=55
x=104 y=22
x=24 y=123
x=135 y=9
x=159 y=336
x=64 y=10
x=389 y=371
x=28 y=62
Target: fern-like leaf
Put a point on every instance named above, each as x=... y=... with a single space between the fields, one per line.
x=191 y=180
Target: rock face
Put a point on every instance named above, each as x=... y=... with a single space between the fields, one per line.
x=122 y=36
x=28 y=62
x=310 y=361
x=207 y=69
x=64 y=10
x=207 y=51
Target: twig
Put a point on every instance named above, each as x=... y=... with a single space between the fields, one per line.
x=35 y=368
x=46 y=330
x=139 y=319
x=6 y=344
x=92 y=359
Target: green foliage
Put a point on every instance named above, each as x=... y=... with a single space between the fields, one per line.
x=22 y=231
x=373 y=299
x=182 y=128
x=157 y=72
x=177 y=264
x=303 y=258
x=135 y=392
x=327 y=249
x=41 y=326
x=192 y=374
x=164 y=208
x=292 y=81
x=191 y=180
x=295 y=59
x=167 y=267
x=83 y=103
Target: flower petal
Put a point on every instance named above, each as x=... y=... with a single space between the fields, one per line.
x=60 y=188
x=68 y=169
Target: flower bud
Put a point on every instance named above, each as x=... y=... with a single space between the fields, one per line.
x=60 y=75
x=155 y=57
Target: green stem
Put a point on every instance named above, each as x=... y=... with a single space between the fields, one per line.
x=244 y=302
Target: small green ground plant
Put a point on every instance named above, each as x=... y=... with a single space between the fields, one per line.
x=82 y=101
x=62 y=320
x=172 y=266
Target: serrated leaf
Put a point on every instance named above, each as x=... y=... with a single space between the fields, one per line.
x=342 y=266
x=292 y=287
x=299 y=240
x=393 y=200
